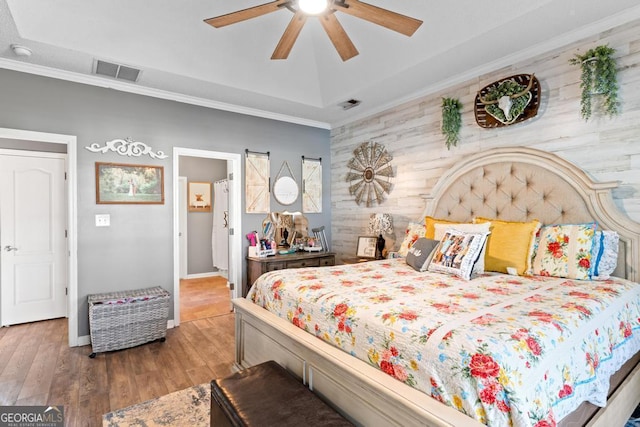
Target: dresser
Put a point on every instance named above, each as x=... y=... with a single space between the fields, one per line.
x=257 y=266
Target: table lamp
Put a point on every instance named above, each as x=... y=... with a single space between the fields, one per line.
x=380 y=223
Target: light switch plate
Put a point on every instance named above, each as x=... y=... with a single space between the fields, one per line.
x=103 y=220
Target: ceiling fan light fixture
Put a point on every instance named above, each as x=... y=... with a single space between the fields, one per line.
x=313 y=7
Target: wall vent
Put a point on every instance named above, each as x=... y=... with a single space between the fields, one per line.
x=115 y=71
x=349 y=104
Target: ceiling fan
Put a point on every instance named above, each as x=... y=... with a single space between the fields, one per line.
x=325 y=11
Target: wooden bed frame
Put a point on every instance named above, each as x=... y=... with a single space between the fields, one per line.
x=508 y=183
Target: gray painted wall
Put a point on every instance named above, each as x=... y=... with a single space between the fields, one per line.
x=137 y=250
x=200 y=224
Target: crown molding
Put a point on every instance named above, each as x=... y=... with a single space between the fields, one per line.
x=91 y=80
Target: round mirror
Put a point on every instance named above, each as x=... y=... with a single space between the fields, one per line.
x=285 y=190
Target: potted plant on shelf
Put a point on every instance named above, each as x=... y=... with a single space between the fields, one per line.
x=599 y=78
x=451 y=121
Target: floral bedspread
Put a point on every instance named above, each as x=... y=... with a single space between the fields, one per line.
x=505 y=350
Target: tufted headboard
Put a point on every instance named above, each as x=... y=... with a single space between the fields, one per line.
x=520 y=184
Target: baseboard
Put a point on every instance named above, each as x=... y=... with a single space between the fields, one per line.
x=84 y=340
x=201 y=275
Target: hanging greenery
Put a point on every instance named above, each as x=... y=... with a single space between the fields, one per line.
x=451 y=121
x=599 y=77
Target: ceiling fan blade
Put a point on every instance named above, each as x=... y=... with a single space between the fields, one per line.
x=244 y=14
x=289 y=36
x=338 y=36
x=394 y=21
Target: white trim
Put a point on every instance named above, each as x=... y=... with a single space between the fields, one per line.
x=72 y=219
x=91 y=80
x=235 y=221
x=203 y=275
x=84 y=340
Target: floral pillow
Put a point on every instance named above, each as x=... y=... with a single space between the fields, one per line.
x=565 y=250
x=457 y=253
x=413 y=232
x=605 y=254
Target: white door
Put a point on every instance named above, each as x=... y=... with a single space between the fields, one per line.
x=33 y=246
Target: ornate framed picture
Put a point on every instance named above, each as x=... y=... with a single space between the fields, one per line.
x=199 y=197
x=366 y=247
x=118 y=183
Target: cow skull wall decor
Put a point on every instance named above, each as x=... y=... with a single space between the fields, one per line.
x=507 y=101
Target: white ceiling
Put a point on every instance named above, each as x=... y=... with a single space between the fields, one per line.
x=183 y=58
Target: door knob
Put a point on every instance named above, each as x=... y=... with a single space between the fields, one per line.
x=10 y=248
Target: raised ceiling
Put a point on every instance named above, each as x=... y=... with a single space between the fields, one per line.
x=183 y=58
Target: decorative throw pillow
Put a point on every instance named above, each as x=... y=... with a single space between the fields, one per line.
x=440 y=229
x=430 y=222
x=413 y=232
x=457 y=252
x=564 y=250
x=510 y=245
x=604 y=254
x=419 y=254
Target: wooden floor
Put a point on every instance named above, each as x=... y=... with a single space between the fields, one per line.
x=204 y=297
x=38 y=368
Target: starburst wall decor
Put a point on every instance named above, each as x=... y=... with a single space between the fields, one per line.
x=370 y=173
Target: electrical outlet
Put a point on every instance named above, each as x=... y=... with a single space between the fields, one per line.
x=103 y=220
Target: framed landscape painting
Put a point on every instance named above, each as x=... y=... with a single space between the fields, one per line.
x=118 y=183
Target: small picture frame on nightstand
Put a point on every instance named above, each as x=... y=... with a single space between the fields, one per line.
x=366 y=247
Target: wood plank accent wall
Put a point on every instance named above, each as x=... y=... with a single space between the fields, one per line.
x=608 y=149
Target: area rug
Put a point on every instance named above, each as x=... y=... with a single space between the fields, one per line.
x=188 y=407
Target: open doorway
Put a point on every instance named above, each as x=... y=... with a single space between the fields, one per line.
x=202 y=278
x=204 y=240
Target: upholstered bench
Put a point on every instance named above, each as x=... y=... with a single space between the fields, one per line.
x=268 y=395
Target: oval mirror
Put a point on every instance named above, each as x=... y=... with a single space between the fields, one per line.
x=285 y=190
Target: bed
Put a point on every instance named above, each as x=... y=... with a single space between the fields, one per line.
x=516 y=184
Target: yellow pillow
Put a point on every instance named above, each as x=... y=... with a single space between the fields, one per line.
x=510 y=244
x=429 y=223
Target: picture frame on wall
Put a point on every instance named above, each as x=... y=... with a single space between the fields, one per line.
x=199 y=197
x=366 y=247
x=119 y=183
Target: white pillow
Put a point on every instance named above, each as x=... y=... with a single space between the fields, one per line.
x=457 y=253
x=478 y=268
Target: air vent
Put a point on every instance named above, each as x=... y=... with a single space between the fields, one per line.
x=116 y=71
x=349 y=104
